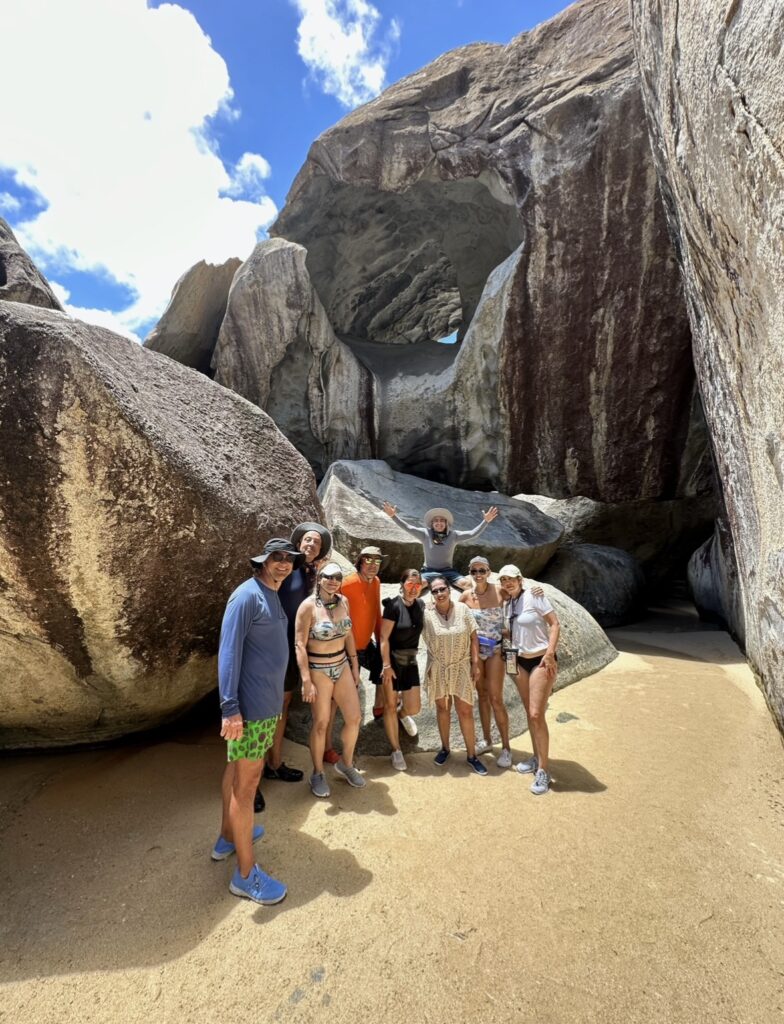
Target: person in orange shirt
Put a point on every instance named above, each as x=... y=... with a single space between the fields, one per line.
x=362 y=590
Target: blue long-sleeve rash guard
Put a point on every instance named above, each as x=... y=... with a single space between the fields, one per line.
x=253 y=653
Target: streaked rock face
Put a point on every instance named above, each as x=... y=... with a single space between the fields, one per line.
x=532 y=158
x=277 y=349
x=712 y=84
x=139 y=489
x=352 y=494
x=188 y=329
x=20 y=279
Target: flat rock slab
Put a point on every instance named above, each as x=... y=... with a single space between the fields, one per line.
x=352 y=494
x=583 y=650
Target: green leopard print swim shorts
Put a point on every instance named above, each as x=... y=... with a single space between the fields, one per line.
x=257 y=737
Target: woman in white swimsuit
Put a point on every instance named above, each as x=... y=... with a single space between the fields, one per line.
x=328 y=665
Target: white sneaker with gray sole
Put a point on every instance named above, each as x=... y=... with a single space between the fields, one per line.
x=505 y=758
x=398 y=761
x=409 y=725
x=528 y=767
x=319 y=786
x=541 y=782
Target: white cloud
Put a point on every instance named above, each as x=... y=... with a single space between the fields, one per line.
x=338 y=41
x=112 y=134
x=9 y=203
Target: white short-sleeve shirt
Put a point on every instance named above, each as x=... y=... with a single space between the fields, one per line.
x=530 y=632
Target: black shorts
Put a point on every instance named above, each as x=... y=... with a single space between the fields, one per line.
x=292 y=681
x=406 y=676
x=529 y=664
x=370 y=659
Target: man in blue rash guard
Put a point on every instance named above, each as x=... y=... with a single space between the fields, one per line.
x=252 y=658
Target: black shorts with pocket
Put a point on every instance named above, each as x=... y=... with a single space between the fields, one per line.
x=406 y=670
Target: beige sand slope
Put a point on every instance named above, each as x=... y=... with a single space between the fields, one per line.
x=648 y=886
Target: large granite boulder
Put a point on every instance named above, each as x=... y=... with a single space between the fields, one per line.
x=660 y=535
x=352 y=494
x=532 y=158
x=582 y=650
x=20 y=279
x=276 y=348
x=188 y=329
x=713 y=582
x=134 y=491
x=607 y=582
x=714 y=93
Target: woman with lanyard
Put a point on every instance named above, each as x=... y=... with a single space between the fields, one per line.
x=452 y=668
x=401 y=627
x=534 y=630
x=328 y=665
x=439 y=540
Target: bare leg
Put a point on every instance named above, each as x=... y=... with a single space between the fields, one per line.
x=227 y=784
x=379 y=699
x=483 y=699
x=329 y=730
x=412 y=701
x=494 y=676
x=391 y=722
x=540 y=686
x=443 y=716
x=244 y=779
x=347 y=699
x=465 y=715
x=276 y=754
x=321 y=711
x=522 y=683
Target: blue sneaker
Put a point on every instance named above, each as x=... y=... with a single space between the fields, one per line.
x=441 y=756
x=476 y=765
x=224 y=849
x=258 y=886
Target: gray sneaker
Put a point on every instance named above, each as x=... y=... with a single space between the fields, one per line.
x=350 y=774
x=541 y=782
x=319 y=786
x=528 y=767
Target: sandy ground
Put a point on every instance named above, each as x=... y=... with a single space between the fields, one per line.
x=648 y=886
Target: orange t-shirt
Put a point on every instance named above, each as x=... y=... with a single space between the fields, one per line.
x=364 y=602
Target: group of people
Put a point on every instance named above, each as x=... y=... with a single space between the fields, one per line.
x=298 y=623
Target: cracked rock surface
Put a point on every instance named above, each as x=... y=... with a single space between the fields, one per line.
x=20 y=279
x=712 y=84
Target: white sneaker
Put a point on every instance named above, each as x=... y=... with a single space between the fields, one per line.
x=482 y=747
x=528 y=767
x=504 y=759
x=409 y=725
x=398 y=761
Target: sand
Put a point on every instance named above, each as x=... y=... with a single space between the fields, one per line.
x=647 y=886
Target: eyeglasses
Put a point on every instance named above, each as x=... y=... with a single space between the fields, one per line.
x=336 y=577
x=281 y=556
x=439 y=590
x=371 y=561
x=478 y=572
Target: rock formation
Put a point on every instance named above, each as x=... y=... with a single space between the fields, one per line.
x=277 y=349
x=352 y=494
x=532 y=158
x=139 y=489
x=188 y=329
x=713 y=582
x=20 y=279
x=712 y=84
x=607 y=582
x=661 y=535
x=582 y=650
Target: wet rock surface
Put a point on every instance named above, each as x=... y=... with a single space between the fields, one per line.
x=712 y=87
x=140 y=489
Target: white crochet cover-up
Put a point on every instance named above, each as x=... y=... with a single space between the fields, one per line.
x=448 y=643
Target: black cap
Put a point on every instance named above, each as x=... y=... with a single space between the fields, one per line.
x=277 y=544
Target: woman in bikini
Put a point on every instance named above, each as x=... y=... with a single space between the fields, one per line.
x=329 y=668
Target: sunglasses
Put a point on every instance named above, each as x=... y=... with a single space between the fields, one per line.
x=413 y=583
x=371 y=561
x=281 y=556
x=336 y=577
x=478 y=572
x=439 y=590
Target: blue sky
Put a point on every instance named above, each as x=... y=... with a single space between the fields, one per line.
x=152 y=135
